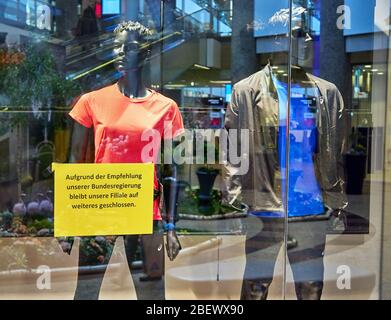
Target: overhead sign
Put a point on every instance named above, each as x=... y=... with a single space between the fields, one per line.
x=111 y=6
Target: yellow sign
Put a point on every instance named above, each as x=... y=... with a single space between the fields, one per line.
x=103 y=199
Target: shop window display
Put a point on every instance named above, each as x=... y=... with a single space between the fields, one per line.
x=279 y=182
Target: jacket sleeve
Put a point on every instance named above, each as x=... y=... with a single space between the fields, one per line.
x=231 y=182
x=338 y=138
x=342 y=135
x=231 y=140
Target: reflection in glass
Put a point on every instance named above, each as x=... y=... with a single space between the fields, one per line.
x=316 y=192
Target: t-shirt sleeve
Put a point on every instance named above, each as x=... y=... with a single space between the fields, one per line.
x=174 y=127
x=81 y=112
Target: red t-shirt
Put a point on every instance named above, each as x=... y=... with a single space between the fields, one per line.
x=124 y=127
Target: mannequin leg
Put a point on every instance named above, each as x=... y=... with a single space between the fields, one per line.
x=88 y=284
x=255 y=289
x=261 y=253
x=152 y=250
x=155 y=248
x=310 y=290
x=306 y=259
x=131 y=244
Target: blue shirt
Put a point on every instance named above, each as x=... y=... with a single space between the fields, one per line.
x=304 y=192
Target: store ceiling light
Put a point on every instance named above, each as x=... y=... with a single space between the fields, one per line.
x=220 y=81
x=199 y=66
x=174 y=86
x=368 y=66
x=375 y=70
x=380 y=73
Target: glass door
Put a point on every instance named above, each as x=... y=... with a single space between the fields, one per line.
x=337 y=134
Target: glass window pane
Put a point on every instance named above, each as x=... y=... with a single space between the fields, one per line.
x=336 y=154
x=273 y=183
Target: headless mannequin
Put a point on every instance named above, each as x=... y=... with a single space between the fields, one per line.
x=131 y=56
x=260 y=250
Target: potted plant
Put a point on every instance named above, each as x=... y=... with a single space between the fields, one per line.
x=355 y=164
x=207 y=177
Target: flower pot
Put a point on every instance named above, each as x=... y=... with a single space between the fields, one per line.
x=206 y=179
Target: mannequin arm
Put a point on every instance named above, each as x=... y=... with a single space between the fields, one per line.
x=171 y=203
x=172 y=198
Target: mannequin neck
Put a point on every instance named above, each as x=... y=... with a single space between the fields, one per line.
x=298 y=74
x=132 y=84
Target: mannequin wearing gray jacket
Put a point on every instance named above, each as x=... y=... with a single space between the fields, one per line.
x=255 y=107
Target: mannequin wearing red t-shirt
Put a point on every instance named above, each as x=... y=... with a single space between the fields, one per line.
x=116 y=117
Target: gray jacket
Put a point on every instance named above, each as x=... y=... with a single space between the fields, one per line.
x=255 y=107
